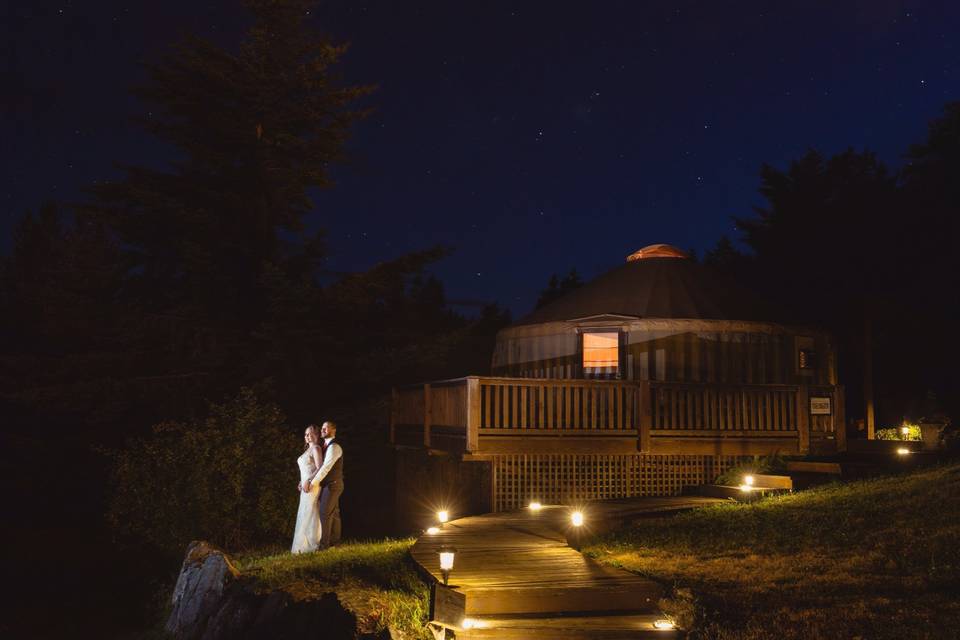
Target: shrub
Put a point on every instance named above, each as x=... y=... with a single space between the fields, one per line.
x=229 y=478
x=896 y=433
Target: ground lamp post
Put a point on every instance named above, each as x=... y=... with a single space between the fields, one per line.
x=446 y=562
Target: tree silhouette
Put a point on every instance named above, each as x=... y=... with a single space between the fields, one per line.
x=558 y=287
x=844 y=241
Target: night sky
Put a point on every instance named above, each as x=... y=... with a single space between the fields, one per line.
x=529 y=137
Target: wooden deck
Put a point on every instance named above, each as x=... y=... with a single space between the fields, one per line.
x=522 y=579
x=484 y=416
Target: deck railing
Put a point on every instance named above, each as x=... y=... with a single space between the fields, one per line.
x=455 y=414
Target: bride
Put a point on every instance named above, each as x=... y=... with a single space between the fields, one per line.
x=306 y=535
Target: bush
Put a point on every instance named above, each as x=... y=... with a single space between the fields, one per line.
x=229 y=478
x=896 y=433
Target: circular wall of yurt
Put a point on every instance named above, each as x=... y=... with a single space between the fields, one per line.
x=662 y=316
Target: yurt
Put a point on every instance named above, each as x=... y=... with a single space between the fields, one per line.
x=655 y=376
x=662 y=316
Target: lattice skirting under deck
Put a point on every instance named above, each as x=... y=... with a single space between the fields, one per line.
x=569 y=478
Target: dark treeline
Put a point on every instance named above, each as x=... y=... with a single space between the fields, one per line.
x=848 y=244
x=125 y=315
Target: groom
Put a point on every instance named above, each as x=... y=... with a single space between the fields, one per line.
x=330 y=479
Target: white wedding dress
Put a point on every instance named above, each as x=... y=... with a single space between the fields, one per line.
x=306 y=535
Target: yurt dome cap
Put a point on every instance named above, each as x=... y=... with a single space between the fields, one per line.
x=657 y=281
x=657 y=251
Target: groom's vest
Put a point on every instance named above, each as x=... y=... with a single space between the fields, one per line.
x=336 y=471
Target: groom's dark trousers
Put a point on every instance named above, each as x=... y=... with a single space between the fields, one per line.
x=330 y=513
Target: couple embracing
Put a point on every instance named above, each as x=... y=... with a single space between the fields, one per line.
x=320 y=486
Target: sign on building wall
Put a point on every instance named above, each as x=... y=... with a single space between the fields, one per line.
x=820 y=406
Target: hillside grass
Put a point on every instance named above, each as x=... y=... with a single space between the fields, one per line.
x=375 y=580
x=872 y=559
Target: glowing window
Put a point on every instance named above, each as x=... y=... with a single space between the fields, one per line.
x=601 y=350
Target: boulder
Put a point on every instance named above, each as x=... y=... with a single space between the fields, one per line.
x=205 y=575
x=212 y=601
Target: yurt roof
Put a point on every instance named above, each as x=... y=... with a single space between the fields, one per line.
x=658 y=281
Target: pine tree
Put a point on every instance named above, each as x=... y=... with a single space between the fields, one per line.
x=254 y=130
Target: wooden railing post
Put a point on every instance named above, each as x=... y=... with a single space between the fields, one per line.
x=840 y=418
x=426 y=415
x=803 y=419
x=394 y=407
x=646 y=416
x=473 y=414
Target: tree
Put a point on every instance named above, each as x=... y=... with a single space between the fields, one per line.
x=558 y=287
x=844 y=241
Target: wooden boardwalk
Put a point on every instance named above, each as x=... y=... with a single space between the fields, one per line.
x=522 y=579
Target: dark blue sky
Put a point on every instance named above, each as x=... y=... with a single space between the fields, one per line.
x=530 y=137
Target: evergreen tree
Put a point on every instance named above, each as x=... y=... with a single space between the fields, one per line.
x=558 y=287
x=254 y=130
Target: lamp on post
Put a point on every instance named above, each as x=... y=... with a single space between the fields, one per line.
x=446 y=562
x=442 y=516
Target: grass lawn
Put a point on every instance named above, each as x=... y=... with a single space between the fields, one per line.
x=374 y=580
x=873 y=559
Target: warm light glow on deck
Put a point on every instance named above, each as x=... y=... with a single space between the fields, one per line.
x=664 y=624
x=902 y=451
x=433 y=530
x=535 y=506
x=576 y=518
x=472 y=623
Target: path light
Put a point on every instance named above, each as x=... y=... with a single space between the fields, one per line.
x=446 y=562
x=903 y=451
x=905 y=430
x=535 y=506
x=433 y=530
x=443 y=516
x=748 y=480
x=663 y=624
x=576 y=518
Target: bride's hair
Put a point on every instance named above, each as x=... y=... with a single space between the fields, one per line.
x=316 y=430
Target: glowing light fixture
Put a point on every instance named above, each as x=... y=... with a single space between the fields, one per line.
x=576 y=518
x=446 y=562
x=443 y=515
x=663 y=624
x=748 y=480
x=433 y=530
x=903 y=451
x=535 y=506
x=905 y=430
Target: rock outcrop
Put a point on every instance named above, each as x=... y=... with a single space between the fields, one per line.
x=213 y=601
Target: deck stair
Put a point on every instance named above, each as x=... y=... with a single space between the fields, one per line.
x=521 y=578
x=763 y=486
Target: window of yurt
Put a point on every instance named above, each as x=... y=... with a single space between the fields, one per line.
x=601 y=352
